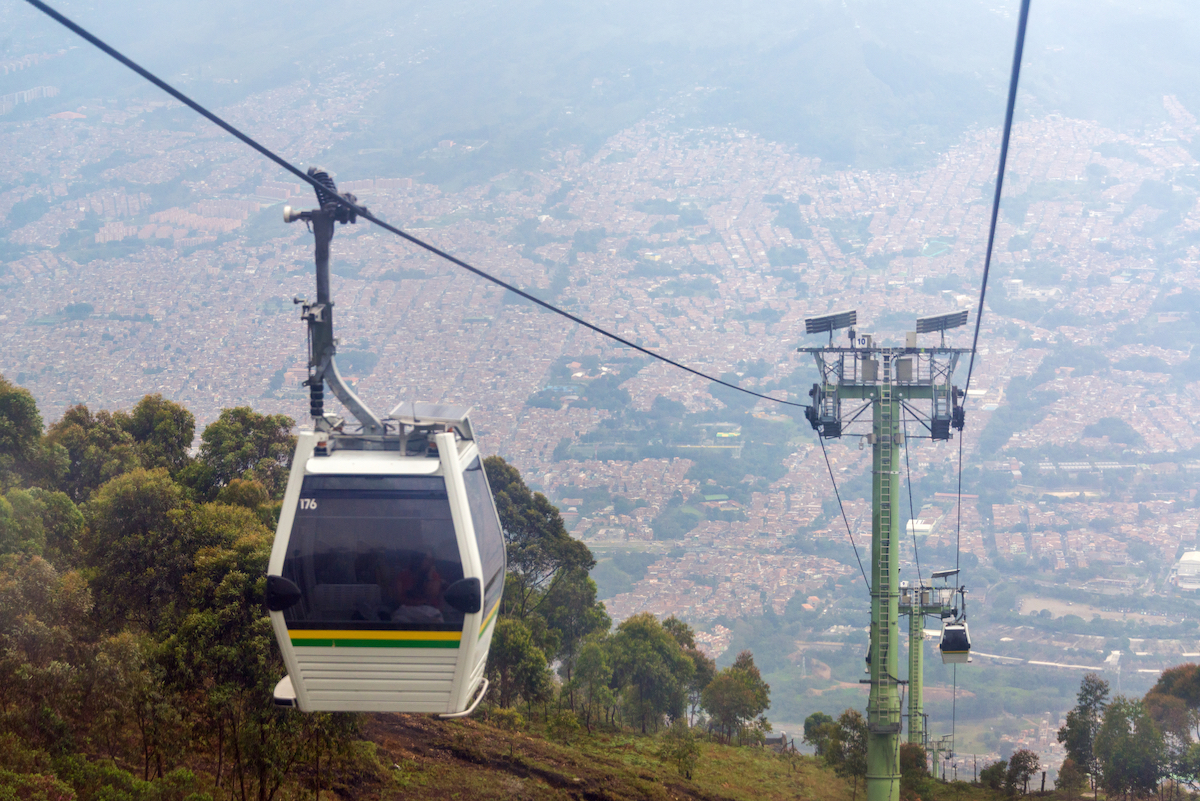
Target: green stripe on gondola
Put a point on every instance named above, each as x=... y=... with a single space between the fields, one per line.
x=374 y=639
x=488 y=619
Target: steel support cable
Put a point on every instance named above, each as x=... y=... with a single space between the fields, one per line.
x=912 y=515
x=842 y=509
x=367 y=215
x=958 y=525
x=1008 y=117
x=954 y=712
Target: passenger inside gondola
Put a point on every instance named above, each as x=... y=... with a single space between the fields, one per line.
x=419 y=590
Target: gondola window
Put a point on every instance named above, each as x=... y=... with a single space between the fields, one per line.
x=373 y=552
x=487 y=534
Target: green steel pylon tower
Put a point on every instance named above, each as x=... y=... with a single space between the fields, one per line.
x=917 y=601
x=886 y=380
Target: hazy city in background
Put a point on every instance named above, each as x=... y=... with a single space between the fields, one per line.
x=697 y=178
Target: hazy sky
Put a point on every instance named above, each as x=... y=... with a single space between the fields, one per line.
x=866 y=82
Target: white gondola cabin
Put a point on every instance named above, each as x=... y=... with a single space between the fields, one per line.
x=956 y=643
x=387 y=569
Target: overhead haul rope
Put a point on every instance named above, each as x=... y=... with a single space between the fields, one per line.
x=1008 y=117
x=361 y=211
x=1022 y=21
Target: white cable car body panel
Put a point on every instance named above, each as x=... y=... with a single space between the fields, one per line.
x=368 y=537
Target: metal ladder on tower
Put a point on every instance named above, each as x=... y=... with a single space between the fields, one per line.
x=883 y=592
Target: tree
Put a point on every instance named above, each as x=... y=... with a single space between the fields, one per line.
x=818 y=729
x=41 y=523
x=1129 y=748
x=516 y=666
x=242 y=443
x=591 y=682
x=63 y=524
x=1078 y=734
x=679 y=747
x=163 y=431
x=914 y=771
x=540 y=551
x=1021 y=767
x=1071 y=778
x=652 y=669
x=21 y=528
x=993 y=775
x=1182 y=682
x=706 y=668
x=847 y=747
x=133 y=547
x=97 y=449
x=44 y=633
x=20 y=429
x=572 y=611
x=220 y=653
x=737 y=695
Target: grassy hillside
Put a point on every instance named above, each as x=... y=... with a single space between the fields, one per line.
x=472 y=759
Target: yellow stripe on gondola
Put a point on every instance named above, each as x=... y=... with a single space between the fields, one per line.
x=374 y=639
x=488 y=619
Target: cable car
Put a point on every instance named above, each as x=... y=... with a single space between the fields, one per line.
x=956 y=642
x=387 y=569
x=388 y=563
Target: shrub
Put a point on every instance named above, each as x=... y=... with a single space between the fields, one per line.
x=679 y=747
x=563 y=726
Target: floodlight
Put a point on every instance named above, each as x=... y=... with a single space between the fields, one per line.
x=939 y=574
x=941 y=322
x=830 y=322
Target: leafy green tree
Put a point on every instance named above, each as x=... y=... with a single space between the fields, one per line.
x=914 y=771
x=1174 y=705
x=516 y=666
x=63 y=525
x=163 y=431
x=590 y=684
x=97 y=449
x=705 y=668
x=20 y=430
x=847 y=750
x=221 y=655
x=652 y=669
x=21 y=527
x=44 y=631
x=1021 y=767
x=1078 y=733
x=1071 y=779
x=242 y=443
x=540 y=551
x=252 y=495
x=1129 y=749
x=572 y=611
x=736 y=695
x=992 y=776
x=39 y=523
x=818 y=729
x=1182 y=682
x=133 y=547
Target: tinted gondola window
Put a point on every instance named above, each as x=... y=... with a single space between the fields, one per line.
x=487 y=533
x=373 y=551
